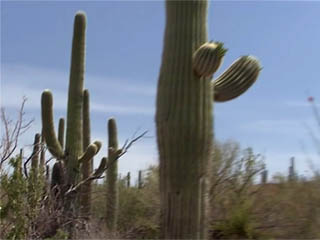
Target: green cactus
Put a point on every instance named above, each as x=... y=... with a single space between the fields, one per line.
x=184 y=118
x=112 y=177
x=42 y=164
x=87 y=166
x=66 y=172
x=35 y=154
x=236 y=79
x=61 y=132
x=140 y=182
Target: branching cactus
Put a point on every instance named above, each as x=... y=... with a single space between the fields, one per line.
x=67 y=170
x=184 y=118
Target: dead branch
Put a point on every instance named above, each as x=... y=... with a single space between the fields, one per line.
x=12 y=132
x=97 y=174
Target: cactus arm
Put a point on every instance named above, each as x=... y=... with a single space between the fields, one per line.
x=98 y=145
x=87 y=159
x=112 y=176
x=90 y=152
x=183 y=120
x=42 y=153
x=35 y=154
x=75 y=97
x=208 y=58
x=53 y=144
x=237 y=79
x=86 y=133
x=61 y=132
x=99 y=171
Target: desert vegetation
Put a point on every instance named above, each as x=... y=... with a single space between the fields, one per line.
x=201 y=189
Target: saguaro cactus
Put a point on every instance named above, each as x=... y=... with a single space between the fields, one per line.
x=67 y=169
x=184 y=114
x=112 y=177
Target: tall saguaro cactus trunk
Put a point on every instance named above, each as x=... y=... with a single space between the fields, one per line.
x=184 y=122
x=184 y=118
x=73 y=147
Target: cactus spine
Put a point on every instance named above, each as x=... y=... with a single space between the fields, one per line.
x=112 y=177
x=184 y=115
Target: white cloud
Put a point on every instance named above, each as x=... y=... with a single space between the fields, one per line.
x=20 y=80
x=96 y=107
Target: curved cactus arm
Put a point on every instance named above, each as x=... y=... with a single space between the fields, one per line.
x=48 y=126
x=98 y=145
x=237 y=79
x=61 y=132
x=208 y=58
x=90 y=152
x=100 y=170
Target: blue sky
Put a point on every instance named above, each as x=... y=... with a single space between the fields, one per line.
x=124 y=46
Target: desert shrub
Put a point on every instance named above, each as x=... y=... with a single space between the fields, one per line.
x=14 y=222
x=232 y=191
x=139 y=208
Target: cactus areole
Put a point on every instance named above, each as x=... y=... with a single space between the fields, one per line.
x=184 y=122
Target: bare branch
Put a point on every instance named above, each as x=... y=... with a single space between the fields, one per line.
x=97 y=174
x=12 y=132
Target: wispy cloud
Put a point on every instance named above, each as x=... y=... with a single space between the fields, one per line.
x=21 y=80
x=274 y=126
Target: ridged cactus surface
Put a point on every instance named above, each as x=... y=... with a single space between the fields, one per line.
x=112 y=177
x=237 y=79
x=75 y=99
x=77 y=154
x=184 y=120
